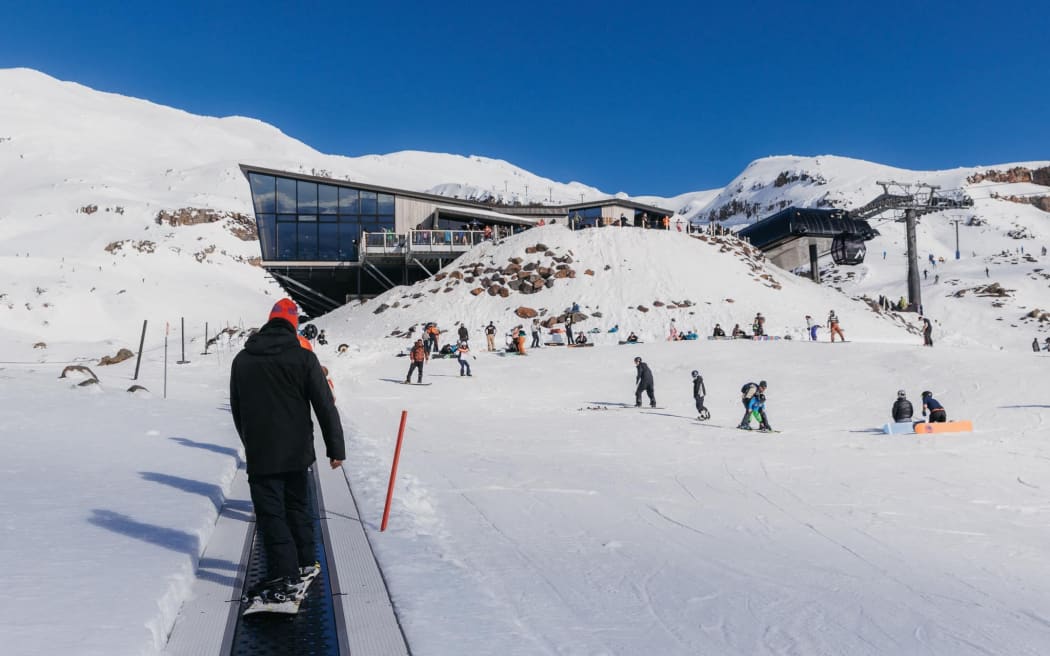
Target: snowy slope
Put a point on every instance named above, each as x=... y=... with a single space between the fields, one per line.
x=695 y=281
x=521 y=524
x=81 y=170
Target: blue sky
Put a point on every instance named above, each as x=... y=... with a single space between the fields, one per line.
x=626 y=96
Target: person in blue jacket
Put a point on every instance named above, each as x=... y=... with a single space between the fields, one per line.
x=757 y=406
x=937 y=412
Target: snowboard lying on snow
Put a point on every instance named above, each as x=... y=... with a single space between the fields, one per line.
x=945 y=427
x=907 y=427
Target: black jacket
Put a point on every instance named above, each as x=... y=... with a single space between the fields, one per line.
x=273 y=383
x=463 y=333
x=902 y=410
x=645 y=375
x=698 y=387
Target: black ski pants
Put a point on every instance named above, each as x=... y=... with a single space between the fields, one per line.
x=284 y=521
x=699 y=404
x=411 y=368
x=648 y=389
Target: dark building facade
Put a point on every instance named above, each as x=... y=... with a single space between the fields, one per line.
x=326 y=240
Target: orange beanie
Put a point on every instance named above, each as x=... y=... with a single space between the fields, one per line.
x=285 y=309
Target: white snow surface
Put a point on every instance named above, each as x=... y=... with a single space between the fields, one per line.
x=523 y=522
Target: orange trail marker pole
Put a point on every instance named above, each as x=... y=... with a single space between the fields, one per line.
x=393 y=470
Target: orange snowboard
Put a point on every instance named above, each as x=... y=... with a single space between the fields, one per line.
x=946 y=427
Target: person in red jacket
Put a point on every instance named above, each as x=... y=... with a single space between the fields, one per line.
x=274 y=382
x=418 y=356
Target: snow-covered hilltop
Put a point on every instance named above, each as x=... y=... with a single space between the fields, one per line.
x=636 y=280
x=115 y=209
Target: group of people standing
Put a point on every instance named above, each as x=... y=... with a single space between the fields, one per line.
x=753 y=397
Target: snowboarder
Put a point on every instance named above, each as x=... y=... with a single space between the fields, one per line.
x=418 y=356
x=462 y=353
x=490 y=336
x=1035 y=344
x=758 y=326
x=833 y=327
x=632 y=338
x=902 y=410
x=535 y=333
x=699 y=392
x=672 y=335
x=927 y=332
x=322 y=339
x=812 y=327
x=463 y=334
x=273 y=385
x=748 y=392
x=757 y=408
x=568 y=328
x=936 y=410
x=718 y=332
x=644 y=383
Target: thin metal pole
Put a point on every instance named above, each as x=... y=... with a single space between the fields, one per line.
x=182 y=335
x=167 y=329
x=138 y=360
x=957 y=239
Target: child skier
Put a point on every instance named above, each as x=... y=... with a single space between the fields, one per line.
x=757 y=408
x=748 y=392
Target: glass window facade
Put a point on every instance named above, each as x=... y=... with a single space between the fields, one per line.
x=307 y=221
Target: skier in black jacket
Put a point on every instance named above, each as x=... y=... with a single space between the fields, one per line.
x=699 y=392
x=902 y=410
x=273 y=384
x=644 y=382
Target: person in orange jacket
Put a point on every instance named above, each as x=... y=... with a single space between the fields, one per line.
x=432 y=333
x=418 y=356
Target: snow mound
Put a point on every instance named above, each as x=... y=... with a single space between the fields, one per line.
x=638 y=280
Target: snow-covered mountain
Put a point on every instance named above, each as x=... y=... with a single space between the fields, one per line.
x=114 y=210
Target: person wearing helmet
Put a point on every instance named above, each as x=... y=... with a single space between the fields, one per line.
x=937 y=412
x=643 y=383
x=902 y=410
x=748 y=392
x=699 y=392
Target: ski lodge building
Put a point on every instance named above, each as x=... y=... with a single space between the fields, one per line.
x=326 y=241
